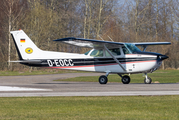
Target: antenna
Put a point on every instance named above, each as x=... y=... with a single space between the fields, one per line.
x=110 y=39
x=101 y=37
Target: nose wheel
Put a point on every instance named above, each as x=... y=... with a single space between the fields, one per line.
x=147 y=79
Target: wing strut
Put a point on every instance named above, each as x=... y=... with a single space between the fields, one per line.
x=144 y=47
x=114 y=57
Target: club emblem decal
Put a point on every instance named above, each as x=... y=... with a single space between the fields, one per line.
x=28 y=50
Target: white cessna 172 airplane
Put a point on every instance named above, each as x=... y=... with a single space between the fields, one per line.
x=105 y=56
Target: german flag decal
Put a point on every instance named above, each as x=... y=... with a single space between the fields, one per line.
x=22 y=40
x=28 y=50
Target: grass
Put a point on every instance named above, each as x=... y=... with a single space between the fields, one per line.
x=160 y=76
x=82 y=108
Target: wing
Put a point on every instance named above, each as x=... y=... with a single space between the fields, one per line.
x=145 y=44
x=152 y=43
x=99 y=44
x=91 y=43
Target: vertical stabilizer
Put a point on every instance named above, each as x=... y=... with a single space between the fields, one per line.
x=25 y=47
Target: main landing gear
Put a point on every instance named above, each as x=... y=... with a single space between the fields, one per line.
x=125 y=79
x=104 y=79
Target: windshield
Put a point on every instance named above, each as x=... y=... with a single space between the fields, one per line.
x=87 y=52
x=132 y=47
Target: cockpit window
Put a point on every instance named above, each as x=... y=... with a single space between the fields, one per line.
x=125 y=50
x=97 y=53
x=87 y=52
x=132 y=48
x=115 y=52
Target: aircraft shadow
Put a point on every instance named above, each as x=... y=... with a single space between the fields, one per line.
x=61 y=83
x=107 y=83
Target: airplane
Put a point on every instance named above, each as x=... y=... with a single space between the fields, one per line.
x=105 y=56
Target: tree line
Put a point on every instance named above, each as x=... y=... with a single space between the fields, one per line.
x=117 y=20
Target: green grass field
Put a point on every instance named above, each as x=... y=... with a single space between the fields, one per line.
x=160 y=76
x=93 y=108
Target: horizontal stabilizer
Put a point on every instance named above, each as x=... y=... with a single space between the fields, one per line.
x=27 y=61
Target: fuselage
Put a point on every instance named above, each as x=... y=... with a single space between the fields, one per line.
x=141 y=62
x=108 y=57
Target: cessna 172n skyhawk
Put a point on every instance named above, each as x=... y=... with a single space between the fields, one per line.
x=105 y=56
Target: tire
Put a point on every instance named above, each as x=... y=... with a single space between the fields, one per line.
x=148 y=80
x=125 y=79
x=103 y=79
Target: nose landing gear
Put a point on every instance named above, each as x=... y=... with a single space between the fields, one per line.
x=147 y=79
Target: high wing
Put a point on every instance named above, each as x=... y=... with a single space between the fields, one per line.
x=98 y=44
x=91 y=43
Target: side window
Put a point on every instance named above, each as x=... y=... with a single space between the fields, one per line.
x=125 y=50
x=97 y=53
x=115 y=52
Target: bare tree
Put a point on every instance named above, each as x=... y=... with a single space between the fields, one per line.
x=12 y=9
x=123 y=21
x=175 y=17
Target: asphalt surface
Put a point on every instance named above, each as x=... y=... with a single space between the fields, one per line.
x=44 y=85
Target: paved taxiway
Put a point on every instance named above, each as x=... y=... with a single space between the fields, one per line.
x=43 y=85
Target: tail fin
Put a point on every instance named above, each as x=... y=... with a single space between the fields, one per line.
x=25 y=47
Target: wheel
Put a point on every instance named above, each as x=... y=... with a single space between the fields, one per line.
x=126 y=79
x=103 y=79
x=148 y=80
